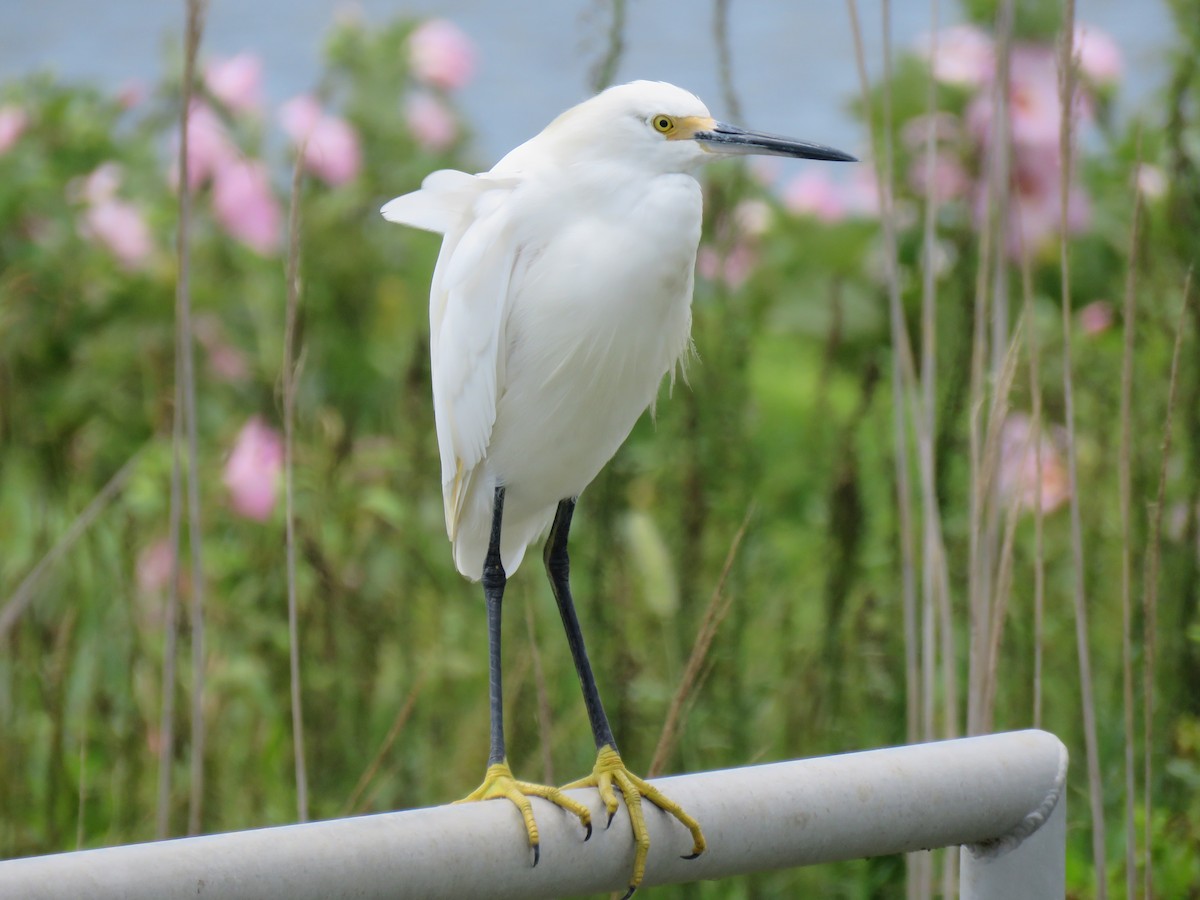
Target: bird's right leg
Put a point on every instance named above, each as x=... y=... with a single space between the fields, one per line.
x=498 y=781
x=610 y=771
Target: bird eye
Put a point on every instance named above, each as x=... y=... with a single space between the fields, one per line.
x=663 y=124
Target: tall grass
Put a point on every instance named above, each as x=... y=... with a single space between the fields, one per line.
x=186 y=396
x=291 y=372
x=1068 y=65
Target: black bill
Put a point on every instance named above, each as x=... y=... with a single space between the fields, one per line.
x=722 y=138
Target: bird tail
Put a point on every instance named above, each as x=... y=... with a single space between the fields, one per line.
x=445 y=197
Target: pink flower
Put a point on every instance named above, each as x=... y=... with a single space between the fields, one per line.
x=252 y=470
x=430 y=122
x=1035 y=203
x=1099 y=56
x=441 y=54
x=950 y=179
x=732 y=269
x=1018 y=465
x=236 y=82
x=1035 y=112
x=331 y=150
x=98 y=186
x=963 y=56
x=300 y=115
x=209 y=146
x=246 y=207
x=121 y=228
x=154 y=565
x=1033 y=96
x=814 y=193
x=13 y=122
x=1096 y=318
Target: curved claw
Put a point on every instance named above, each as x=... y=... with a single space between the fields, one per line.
x=587 y=837
x=610 y=772
x=498 y=783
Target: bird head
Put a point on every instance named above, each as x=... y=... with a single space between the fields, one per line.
x=660 y=128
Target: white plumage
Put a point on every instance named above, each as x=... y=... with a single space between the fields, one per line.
x=561 y=298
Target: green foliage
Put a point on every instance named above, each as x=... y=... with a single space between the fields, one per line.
x=785 y=413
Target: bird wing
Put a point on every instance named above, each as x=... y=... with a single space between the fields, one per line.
x=468 y=310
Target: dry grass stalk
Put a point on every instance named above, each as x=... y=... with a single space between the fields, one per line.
x=351 y=806
x=606 y=67
x=196 y=10
x=1067 y=80
x=1039 y=515
x=1124 y=490
x=1002 y=580
x=718 y=608
x=20 y=599
x=903 y=379
x=291 y=373
x=925 y=448
x=977 y=559
x=166 y=722
x=901 y=352
x=1150 y=590
x=725 y=59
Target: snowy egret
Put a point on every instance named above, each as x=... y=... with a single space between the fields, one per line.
x=560 y=300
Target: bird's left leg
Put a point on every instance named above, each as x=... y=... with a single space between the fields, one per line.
x=498 y=781
x=609 y=771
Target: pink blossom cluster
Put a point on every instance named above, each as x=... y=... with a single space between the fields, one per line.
x=731 y=266
x=252 y=470
x=430 y=121
x=110 y=222
x=813 y=193
x=13 y=122
x=441 y=55
x=441 y=58
x=244 y=201
x=1017 y=473
x=328 y=142
x=966 y=57
x=818 y=193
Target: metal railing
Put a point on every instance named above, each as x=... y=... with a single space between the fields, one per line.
x=1000 y=796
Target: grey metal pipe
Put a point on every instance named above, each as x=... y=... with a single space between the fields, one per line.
x=991 y=792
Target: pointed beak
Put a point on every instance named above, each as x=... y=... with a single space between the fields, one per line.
x=729 y=140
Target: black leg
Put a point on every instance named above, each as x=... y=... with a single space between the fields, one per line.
x=558 y=567
x=494 y=580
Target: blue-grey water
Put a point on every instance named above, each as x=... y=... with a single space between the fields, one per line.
x=793 y=62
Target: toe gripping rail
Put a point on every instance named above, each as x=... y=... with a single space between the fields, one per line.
x=1000 y=797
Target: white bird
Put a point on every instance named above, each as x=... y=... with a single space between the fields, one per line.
x=560 y=301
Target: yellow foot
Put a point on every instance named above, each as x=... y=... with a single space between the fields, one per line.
x=498 y=782
x=610 y=772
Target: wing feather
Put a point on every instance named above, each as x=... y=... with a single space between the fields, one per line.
x=468 y=308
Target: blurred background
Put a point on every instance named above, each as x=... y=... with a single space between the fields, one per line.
x=794 y=68
x=915 y=485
